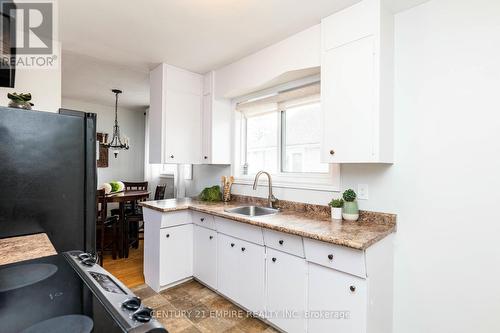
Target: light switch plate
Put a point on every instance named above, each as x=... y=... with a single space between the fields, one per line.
x=363 y=191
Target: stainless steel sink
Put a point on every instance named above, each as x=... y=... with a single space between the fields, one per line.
x=253 y=210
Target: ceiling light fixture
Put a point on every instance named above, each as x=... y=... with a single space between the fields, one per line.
x=117 y=143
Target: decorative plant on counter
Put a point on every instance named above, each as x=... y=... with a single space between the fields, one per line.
x=20 y=101
x=351 y=210
x=211 y=194
x=336 y=205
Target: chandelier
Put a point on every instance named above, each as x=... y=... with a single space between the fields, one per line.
x=117 y=143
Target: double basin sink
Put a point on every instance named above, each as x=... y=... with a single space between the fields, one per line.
x=252 y=211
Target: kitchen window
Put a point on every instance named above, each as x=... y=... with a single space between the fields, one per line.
x=281 y=133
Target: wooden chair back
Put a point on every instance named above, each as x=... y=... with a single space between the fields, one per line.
x=102 y=207
x=136 y=186
x=160 y=192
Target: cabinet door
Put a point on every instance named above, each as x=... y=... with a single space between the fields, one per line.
x=251 y=273
x=337 y=301
x=348 y=25
x=207 y=129
x=227 y=266
x=205 y=256
x=183 y=127
x=348 y=102
x=176 y=253
x=286 y=290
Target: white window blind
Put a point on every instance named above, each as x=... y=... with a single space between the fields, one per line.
x=270 y=103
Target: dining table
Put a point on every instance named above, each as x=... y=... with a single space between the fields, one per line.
x=121 y=198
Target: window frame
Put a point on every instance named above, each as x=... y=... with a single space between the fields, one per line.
x=328 y=181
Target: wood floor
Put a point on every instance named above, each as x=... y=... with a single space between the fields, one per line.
x=127 y=270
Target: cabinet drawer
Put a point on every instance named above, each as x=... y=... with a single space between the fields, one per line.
x=165 y=220
x=175 y=218
x=239 y=230
x=204 y=220
x=335 y=256
x=284 y=242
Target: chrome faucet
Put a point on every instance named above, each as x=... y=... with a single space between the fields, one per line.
x=271 y=199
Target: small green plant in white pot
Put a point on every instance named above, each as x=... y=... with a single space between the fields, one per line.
x=351 y=210
x=336 y=207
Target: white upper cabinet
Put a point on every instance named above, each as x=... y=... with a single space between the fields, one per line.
x=175 y=115
x=216 y=125
x=357 y=84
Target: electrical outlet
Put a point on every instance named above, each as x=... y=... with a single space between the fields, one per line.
x=363 y=191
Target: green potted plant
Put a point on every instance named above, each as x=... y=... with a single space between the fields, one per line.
x=20 y=101
x=336 y=207
x=351 y=210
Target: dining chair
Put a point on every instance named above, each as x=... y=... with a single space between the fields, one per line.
x=103 y=224
x=133 y=215
x=138 y=228
x=131 y=207
x=136 y=186
x=160 y=192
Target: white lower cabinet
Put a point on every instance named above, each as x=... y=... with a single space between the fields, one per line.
x=332 y=289
x=227 y=266
x=176 y=254
x=205 y=256
x=252 y=276
x=286 y=291
x=240 y=268
x=337 y=301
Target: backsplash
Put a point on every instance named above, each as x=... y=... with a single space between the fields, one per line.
x=318 y=211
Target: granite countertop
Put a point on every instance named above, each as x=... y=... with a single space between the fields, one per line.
x=310 y=221
x=22 y=248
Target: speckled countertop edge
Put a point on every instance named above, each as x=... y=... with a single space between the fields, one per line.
x=20 y=248
x=311 y=222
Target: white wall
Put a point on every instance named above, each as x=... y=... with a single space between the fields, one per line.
x=297 y=52
x=129 y=166
x=444 y=182
x=43 y=84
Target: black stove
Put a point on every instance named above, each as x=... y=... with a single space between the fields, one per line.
x=69 y=293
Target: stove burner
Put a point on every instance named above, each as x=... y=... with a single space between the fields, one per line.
x=63 y=324
x=19 y=276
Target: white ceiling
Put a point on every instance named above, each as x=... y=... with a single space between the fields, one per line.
x=114 y=43
x=89 y=79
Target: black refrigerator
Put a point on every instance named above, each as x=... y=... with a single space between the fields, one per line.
x=48 y=176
